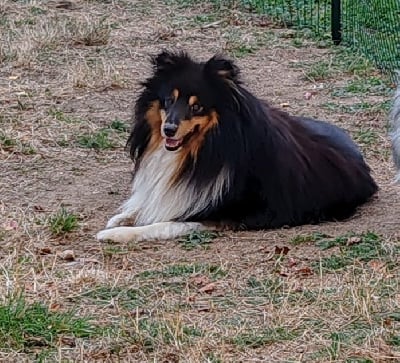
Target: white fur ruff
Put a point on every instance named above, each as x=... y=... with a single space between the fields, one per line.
x=154 y=200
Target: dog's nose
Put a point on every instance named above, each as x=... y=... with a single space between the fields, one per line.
x=170 y=129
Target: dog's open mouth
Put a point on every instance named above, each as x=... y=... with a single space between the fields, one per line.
x=173 y=144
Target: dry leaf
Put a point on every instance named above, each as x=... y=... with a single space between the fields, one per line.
x=305 y=271
x=208 y=288
x=54 y=307
x=201 y=280
x=69 y=341
x=45 y=251
x=204 y=308
x=281 y=250
x=38 y=208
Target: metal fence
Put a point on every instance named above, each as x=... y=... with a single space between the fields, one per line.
x=370 y=26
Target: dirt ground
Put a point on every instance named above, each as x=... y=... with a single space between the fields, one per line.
x=68 y=69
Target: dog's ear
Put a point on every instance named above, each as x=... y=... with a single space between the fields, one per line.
x=166 y=61
x=223 y=68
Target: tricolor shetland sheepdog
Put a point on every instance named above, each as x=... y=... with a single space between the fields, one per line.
x=209 y=155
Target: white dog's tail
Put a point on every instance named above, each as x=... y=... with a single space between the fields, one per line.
x=395 y=129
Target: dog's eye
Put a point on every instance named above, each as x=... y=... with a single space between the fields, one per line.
x=196 y=108
x=168 y=102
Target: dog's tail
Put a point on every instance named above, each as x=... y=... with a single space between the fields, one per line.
x=395 y=129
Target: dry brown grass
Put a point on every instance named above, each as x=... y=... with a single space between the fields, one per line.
x=69 y=75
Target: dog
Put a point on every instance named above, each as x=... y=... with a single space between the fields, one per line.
x=395 y=131
x=209 y=155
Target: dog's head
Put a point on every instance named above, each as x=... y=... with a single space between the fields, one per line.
x=187 y=96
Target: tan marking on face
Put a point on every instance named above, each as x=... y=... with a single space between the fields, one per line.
x=193 y=146
x=175 y=94
x=193 y=100
x=154 y=119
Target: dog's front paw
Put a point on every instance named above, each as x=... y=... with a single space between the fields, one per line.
x=105 y=235
x=118 y=234
x=116 y=220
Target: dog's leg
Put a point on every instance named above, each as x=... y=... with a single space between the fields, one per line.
x=156 y=231
x=128 y=211
x=117 y=219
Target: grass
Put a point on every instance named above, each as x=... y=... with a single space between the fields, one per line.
x=99 y=140
x=264 y=337
x=185 y=270
x=151 y=333
x=366 y=136
x=11 y=144
x=307 y=238
x=197 y=239
x=352 y=249
x=342 y=61
x=375 y=36
x=59 y=115
x=373 y=86
x=26 y=326
x=7 y=143
x=62 y=222
x=90 y=32
x=126 y=297
x=119 y=126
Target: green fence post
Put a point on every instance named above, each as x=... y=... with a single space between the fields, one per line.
x=336 y=23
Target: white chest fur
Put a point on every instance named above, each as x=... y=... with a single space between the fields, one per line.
x=154 y=200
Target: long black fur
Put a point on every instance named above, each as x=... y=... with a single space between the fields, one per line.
x=284 y=170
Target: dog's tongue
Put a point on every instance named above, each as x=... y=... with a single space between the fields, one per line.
x=172 y=142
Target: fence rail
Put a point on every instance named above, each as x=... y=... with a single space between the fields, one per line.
x=369 y=26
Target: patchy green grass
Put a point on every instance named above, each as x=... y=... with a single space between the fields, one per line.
x=197 y=239
x=7 y=143
x=119 y=125
x=319 y=71
x=62 y=222
x=366 y=136
x=359 y=108
x=341 y=61
x=124 y=296
x=371 y=86
x=24 y=326
x=351 y=249
x=98 y=140
x=185 y=270
x=264 y=337
x=307 y=238
x=59 y=115
x=12 y=144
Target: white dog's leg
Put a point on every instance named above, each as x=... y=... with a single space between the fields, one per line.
x=117 y=219
x=156 y=231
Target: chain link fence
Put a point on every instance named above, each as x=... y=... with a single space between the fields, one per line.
x=369 y=26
